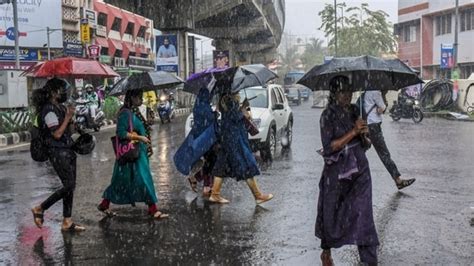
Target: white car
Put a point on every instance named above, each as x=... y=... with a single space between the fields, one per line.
x=272 y=115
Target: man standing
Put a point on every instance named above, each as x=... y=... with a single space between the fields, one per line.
x=375 y=105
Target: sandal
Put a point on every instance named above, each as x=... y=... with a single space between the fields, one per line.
x=193 y=183
x=38 y=218
x=405 y=183
x=159 y=215
x=106 y=211
x=74 y=228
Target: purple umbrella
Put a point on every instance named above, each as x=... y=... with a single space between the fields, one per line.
x=204 y=79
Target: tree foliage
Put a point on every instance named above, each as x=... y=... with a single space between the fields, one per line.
x=314 y=53
x=360 y=31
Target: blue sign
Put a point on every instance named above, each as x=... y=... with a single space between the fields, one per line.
x=447 y=56
x=26 y=54
x=168 y=68
x=73 y=48
x=11 y=33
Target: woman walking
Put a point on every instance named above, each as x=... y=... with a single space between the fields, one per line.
x=54 y=123
x=132 y=182
x=345 y=189
x=234 y=158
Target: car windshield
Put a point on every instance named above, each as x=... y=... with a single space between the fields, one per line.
x=292 y=77
x=258 y=97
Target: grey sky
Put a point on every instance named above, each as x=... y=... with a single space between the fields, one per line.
x=302 y=15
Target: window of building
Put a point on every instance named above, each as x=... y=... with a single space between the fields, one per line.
x=467 y=20
x=102 y=19
x=409 y=34
x=117 y=24
x=130 y=27
x=443 y=24
x=104 y=51
x=118 y=53
x=141 y=32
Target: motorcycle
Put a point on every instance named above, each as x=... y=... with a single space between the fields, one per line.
x=83 y=118
x=165 y=109
x=406 y=107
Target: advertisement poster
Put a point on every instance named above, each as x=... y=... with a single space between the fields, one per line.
x=26 y=54
x=33 y=18
x=221 y=58
x=73 y=49
x=167 y=53
x=447 y=56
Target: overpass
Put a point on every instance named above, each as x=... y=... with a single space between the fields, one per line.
x=250 y=29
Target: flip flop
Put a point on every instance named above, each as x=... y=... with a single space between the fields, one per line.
x=39 y=216
x=159 y=215
x=73 y=228
x=405 y=183
x=107 y=211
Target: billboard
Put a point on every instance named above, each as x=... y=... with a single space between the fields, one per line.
x=33 y=18
x=447 y=56
x=26 y=54
x=167 y=58
x=221 y=58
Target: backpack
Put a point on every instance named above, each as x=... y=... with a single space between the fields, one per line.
x=38 y=149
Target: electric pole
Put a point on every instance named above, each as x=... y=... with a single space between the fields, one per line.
x=456 y=19
x=17 y=34
x=335 y=28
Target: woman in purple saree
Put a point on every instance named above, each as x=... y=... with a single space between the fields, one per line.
x=345 y=198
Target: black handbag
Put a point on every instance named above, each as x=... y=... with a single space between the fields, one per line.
x=126 y=151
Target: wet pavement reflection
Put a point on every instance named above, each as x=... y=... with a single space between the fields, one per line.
x=425 y=224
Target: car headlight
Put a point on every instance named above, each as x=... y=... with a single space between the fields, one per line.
x=417 y=102
x=257 y=122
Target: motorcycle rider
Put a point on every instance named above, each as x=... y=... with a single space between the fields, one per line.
x=93 y=99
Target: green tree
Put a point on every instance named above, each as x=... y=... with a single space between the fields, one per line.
x=360 y=31
x=314 y=53
x=289 y=58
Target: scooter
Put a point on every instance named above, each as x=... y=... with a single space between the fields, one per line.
x=165 y=109
x=406 y=107
x=84 y=120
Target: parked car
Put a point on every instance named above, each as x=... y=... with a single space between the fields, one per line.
x=294 y=96
x=272 y=115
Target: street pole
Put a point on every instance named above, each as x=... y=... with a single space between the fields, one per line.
x=48 y=44
x=17 y=34
x=335 y=28
x=456 y=18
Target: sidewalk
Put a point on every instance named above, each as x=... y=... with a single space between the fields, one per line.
x=9 y=139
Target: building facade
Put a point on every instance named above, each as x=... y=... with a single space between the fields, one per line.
x=125 y=38
x=425 y=26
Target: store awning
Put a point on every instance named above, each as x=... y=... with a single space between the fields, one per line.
x=115 y=43
x=102 y=42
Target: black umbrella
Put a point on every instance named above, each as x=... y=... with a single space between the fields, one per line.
x=364 y=72
x=147 y=81
x=251 y=75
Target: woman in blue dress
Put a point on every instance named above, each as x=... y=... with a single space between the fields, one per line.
x=345 y=189
x=132 y=182
x=234 y=158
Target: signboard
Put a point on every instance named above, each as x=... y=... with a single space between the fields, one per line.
x=33 y=18
x=85 y=33
x=220 y=58
x=73 y=48
x=79 y=83
x=101 y=31
x=447 y=56
x=105 y=59
x=167 y=58
x=94 y=51
x=26 y=54
x=91 y=17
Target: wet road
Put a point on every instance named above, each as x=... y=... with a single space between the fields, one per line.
x=425 y=224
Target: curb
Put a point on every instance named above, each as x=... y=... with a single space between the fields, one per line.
x=9 y=139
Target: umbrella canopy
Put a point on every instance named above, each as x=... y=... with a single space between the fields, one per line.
x=146 y=81
x=231 y=79
x=364 y=72
x=70 y=67
x=204 y=79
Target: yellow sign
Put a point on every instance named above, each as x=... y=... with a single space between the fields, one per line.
x=85 y=33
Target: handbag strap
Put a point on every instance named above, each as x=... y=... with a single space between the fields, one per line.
x=130 y=123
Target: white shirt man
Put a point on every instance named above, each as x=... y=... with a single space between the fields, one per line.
x=374 y=106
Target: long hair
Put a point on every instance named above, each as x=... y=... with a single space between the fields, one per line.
x=127 y=103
